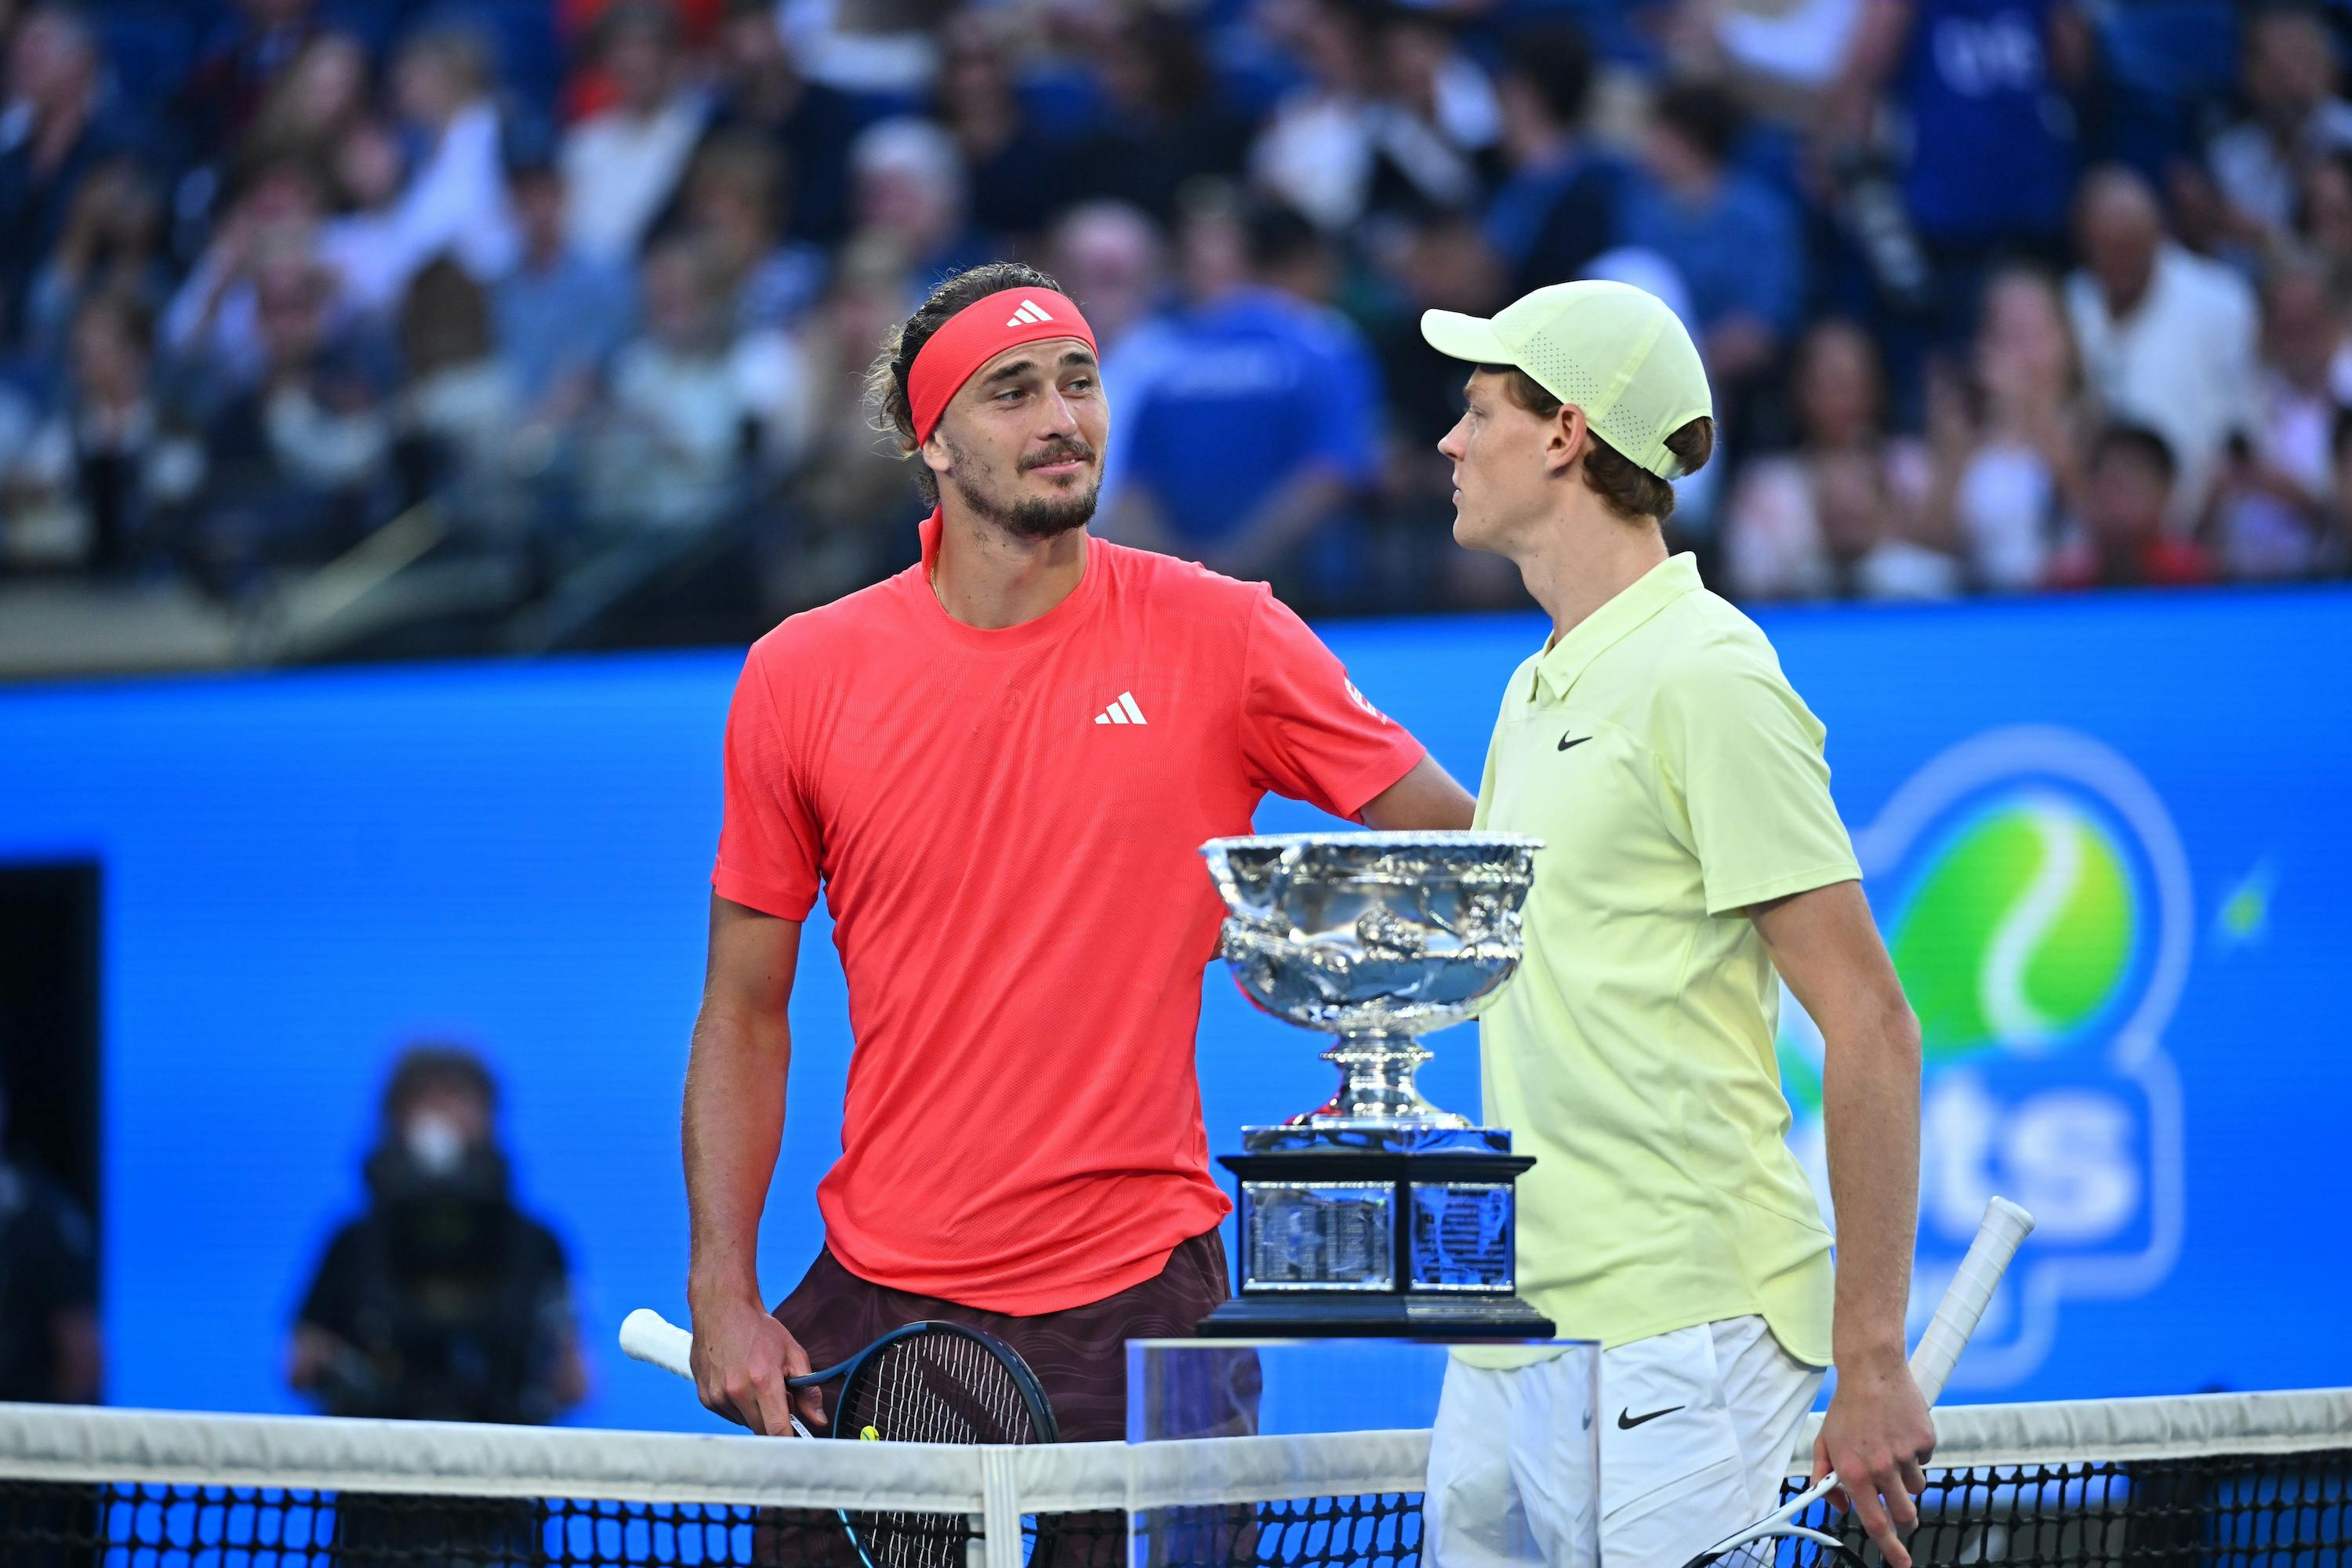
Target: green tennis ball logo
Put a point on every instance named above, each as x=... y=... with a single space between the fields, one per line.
x=2019 y=929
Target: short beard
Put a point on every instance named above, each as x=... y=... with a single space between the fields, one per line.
x=1030 y=518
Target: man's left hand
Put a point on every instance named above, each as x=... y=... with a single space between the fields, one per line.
x=1877 y=1436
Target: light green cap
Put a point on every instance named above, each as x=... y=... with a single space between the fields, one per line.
x=1616 y=351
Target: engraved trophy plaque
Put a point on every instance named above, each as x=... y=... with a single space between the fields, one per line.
x=1377 y=1212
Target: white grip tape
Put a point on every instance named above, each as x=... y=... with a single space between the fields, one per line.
x=2005 y=1224
x=647 y=1336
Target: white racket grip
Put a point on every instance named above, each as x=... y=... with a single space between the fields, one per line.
x=2005 y=1224
x=648 y=1337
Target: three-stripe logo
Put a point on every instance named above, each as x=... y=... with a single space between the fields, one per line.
x=1029 y=315
x=1123 y=711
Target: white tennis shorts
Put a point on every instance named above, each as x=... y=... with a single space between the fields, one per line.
x=1694 y=1431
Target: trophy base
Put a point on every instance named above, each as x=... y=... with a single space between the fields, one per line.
x=1305 y=1316
x=1399 y=1231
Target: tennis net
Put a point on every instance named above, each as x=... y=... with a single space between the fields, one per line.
x=2245 y=1481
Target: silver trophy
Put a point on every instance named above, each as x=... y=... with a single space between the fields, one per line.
x=1376 y=1213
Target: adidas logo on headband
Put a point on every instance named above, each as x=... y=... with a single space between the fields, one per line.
x=1030 y=313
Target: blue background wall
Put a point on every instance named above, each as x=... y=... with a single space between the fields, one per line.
x=2110 y=839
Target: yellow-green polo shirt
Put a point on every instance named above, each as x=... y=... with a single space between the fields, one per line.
x=1676 y=778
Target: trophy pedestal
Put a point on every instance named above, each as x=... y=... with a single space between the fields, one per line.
x=1387 y=1230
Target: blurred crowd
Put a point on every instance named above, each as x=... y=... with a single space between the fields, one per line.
x=1998 y=295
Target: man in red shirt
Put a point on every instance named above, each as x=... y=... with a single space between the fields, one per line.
x=1000 y=765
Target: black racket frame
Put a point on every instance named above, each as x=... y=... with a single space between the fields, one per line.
x=1025 y=1381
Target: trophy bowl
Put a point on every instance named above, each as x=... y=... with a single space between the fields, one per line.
x=1373 y=937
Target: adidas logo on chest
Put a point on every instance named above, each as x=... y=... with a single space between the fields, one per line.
x=1123 y=711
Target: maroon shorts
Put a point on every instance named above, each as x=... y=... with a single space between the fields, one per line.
x=1079 y=1354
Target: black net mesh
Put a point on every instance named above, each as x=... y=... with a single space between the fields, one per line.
x=2272 y=1510
x=48 y=1524
x=65 y=1525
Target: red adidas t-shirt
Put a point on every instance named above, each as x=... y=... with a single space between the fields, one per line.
x=1019 y=900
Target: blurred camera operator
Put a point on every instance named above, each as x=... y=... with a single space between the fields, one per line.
x=444 y=1301
x=49 y=1345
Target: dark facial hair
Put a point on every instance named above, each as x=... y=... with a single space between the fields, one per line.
x=1032 y=517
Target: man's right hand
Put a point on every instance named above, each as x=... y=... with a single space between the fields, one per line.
x=741 y=1357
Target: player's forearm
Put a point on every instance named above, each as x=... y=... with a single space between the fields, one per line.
x=1869 y=1102
x=734 y=1124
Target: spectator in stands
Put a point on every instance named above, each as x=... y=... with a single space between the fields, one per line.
x=1779 y=58
x=562 y=312
x=1258 y=374
x=211 y=327
x=1112 y=261
x=1443 y=264
x=456 y=198
x=459 y=404
x=1343 y=145
x=1987 y=140
x=39 y=528
x=2334 y=557
x=315 y=151
x=52 y=139
x=622 y=164
x=1435 y=85
x=591 y=87
x=257 y=41
x=296 y=459
x=2122 y=538
x=762 y=93
x=2325 y=217
x=1734 y=239
x=1017 y=174
x=882 y=49
x=113 y=245
x=357 y=243
x=680 y=421
x=1111 y=258
x=50 y=1352
x=909 y=193
x=2158 y=77
x=854 y=517
x=2008 y=435
x=1556 y=209
x=444 y=1301
x=2167 y=338
x=133 y=465
x=1839 y=517
x=2297 y=119
x=318 y=98
x=2270 y=516
x=454 y=202
x=1163 y=123
x=733 y=198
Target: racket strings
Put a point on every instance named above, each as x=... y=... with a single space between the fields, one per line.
x=940 y=1388
x=929 y=1388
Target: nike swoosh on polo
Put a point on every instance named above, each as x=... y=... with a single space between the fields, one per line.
x=1565 y=742
x=1626 y=1419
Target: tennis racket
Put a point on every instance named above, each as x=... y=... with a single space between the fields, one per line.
x=925 y=1382
x=1771 y=1540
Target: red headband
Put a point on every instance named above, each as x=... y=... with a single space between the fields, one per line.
x=978 y=333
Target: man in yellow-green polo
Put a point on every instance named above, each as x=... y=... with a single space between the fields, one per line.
x=1693 y=861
